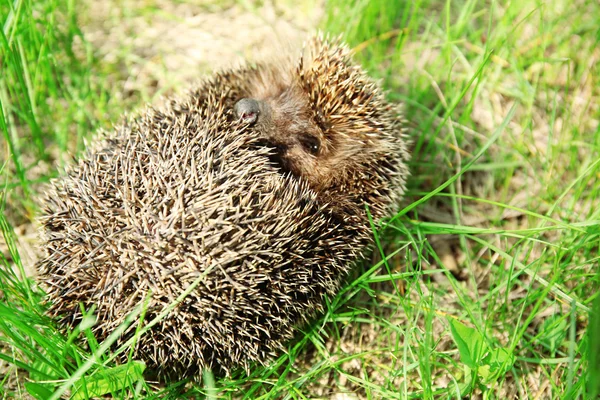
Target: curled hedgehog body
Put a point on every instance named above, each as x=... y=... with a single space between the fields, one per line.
x=257 y=181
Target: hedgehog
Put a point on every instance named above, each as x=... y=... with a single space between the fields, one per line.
x=257 y=185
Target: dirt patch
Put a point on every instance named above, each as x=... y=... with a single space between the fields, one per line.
x=162 y=47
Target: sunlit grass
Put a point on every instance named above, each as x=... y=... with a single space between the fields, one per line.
x=500 y=228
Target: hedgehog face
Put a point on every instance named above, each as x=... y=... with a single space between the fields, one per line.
x=285 y=124
x=325 y=120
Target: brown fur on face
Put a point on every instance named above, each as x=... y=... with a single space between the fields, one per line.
x=285 y=123
x=327 y=123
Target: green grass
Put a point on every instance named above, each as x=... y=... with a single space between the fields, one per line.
x=499 y=231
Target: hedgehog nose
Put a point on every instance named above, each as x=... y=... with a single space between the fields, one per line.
x=247 y=110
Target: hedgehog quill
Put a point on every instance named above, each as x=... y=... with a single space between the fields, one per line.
x=258 y=178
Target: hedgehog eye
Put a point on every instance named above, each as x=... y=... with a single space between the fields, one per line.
x=310 y=143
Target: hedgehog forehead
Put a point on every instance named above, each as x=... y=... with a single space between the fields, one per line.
x=290 y=106
x=269 y=81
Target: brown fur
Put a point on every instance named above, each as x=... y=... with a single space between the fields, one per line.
x=331 y=102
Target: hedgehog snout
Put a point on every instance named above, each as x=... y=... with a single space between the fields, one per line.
x=257 y=113
x=247 y=110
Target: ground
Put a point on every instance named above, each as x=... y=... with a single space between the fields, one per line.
x=498 y=230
